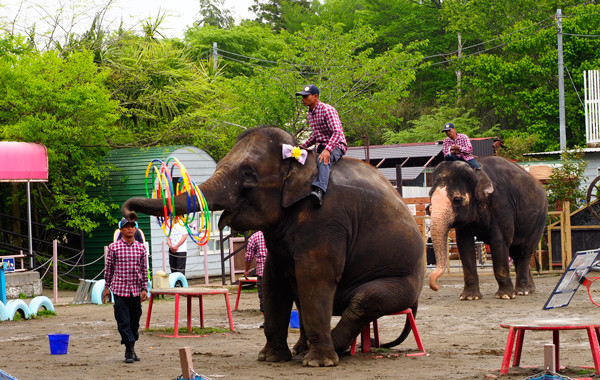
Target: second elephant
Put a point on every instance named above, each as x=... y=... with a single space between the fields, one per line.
x=502 y=205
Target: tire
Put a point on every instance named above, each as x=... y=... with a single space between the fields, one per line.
x=13 y=306
x=40 y=301
x=177 y=277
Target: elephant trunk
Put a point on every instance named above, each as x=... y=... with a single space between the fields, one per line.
x=217 y=190
x=442 y=218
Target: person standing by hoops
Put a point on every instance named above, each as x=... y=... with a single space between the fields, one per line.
x=126 y=275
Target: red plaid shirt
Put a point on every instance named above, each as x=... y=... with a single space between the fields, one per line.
x=257 y=248
x=327 y=128
x=126 y=272
x=463 y=142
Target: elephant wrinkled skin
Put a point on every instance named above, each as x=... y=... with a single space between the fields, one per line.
x=359 y=256
x=503 y=206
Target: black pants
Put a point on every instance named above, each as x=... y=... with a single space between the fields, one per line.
x=260 y=293
x=128 y=311
x=177 y=261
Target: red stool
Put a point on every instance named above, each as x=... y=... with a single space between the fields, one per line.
x=242 y=281
x=365 y=335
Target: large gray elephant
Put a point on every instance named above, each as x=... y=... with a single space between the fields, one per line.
x=359 y=256
x=502 y=205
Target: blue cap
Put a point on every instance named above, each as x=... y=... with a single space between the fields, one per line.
x=309 y=89
x=125 y=221
x=447 y=127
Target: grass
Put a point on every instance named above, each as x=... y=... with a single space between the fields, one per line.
x=195 y=331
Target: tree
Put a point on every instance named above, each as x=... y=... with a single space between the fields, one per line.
x=63 y=104
x=214 y=13
x=566 y=179
x=362 y=86
x=427 y=127
x=270 y=12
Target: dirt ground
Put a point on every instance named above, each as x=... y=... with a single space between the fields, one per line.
x=463 y=340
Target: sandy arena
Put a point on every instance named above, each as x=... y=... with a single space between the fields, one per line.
x=463 y=340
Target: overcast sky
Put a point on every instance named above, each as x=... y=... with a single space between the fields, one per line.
x=181 y=13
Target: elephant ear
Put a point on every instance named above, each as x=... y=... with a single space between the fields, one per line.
x=484 y=186
x=298 y=180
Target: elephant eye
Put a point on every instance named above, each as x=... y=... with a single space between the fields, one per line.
x=457 y=200
x=249 y=178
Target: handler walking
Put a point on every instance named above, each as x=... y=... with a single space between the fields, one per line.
x=125 y=275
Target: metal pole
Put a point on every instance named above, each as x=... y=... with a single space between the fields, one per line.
x=55 y=269
x=561 y=83
x=29 y=225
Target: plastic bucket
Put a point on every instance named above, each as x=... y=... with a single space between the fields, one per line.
x=59 y=343
x=294 y=322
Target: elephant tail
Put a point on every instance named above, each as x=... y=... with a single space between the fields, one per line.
x=407 y=329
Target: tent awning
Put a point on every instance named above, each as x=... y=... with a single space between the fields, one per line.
x=23 y=162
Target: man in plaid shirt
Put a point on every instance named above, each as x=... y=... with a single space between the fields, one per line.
x=257 y=249
x=327 y=134
x=126 y=275
x=457 y=147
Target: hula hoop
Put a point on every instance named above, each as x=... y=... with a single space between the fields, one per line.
x=159 y=184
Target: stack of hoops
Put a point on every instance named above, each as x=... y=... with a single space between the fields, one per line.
x=159 y=185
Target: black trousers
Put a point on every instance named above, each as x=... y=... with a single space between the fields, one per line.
x=259 y=286
x=177 y=261
x=128 y=311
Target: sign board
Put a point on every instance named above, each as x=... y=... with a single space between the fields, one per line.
x=572 y=278
x=10 y=264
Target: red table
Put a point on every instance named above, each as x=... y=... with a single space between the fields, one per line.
x=555 y=325
x=189 y=293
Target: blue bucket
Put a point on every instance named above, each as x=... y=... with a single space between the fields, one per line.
x=294 y=322
x=59 y=343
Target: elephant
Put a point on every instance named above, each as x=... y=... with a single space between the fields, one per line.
x=501 y=205
x=359 y=256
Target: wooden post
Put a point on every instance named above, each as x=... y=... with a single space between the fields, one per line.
x=549 y=357
x=187 y=367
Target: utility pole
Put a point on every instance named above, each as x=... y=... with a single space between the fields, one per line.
x=561 y=83
x=214 y=55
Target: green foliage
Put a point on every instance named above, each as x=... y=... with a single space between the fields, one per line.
x=428 y=127
x=63 y=104
x=565 y=181
x=244 y=46
x=516 y=144
x=213 y=13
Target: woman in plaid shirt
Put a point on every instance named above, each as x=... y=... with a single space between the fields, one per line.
x=327 y=134
x=126 y=275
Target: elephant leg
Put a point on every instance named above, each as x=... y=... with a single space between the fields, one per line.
x=524 y=279
x=278 y=298
x=466 y=248
x=301 y=346
x=369 y=302
x=501 y=269
x=316 y=289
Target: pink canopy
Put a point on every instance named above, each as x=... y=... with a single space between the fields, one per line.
x=23 y=162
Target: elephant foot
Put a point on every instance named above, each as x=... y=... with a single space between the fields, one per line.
x=271 y=354
x=301 y=347
x=505 y=295
x=524 y=290
x=470 y=295
x=320 y=358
